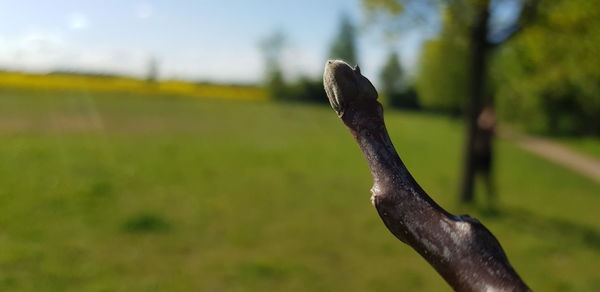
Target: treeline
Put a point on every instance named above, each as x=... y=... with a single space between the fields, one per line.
x=395 y=90
x=545 y=79
x=548 y=78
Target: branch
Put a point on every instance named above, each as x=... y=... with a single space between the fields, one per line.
x=460 y=248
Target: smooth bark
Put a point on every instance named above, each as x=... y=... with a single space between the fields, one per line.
x=460 y=248
x=478 y=69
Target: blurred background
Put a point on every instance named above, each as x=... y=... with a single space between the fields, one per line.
x=189 y=145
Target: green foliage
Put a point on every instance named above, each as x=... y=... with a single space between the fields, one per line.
x=391 y=76
x=304 y=89
x=396 y=16
x=308 y=90
x=408 y=99
x=393 y=84
x=152 y=74
x=258 y=197
x=276 y=87
x=443 y=76
x=548 y=77
x=394 y=7
x=344 y=45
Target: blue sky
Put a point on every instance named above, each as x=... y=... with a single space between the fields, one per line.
x=197 y=40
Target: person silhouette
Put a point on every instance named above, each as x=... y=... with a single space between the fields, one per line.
x=483 y=148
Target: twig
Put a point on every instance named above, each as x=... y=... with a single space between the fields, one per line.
x=460 y=248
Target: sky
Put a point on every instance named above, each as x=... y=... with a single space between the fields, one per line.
x=195 y=40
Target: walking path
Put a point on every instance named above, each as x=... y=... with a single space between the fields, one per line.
x=578 y=162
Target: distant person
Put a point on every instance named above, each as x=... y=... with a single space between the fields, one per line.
x=486 y=126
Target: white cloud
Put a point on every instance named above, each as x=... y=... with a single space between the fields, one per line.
x=78 y=21
x=38 y=48
x=46 y=51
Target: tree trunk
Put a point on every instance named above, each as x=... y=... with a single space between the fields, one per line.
x=460 y=248
x=477 y=83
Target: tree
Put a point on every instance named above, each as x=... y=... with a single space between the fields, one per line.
x=393 y=84
x=548 y=76
x=344 y=45
x=306 y=89
x=152 y=74
x=272 y=47
x=478 y=21
x=442 y=75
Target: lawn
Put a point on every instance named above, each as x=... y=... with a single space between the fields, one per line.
x=586 y=145
x=121 y=192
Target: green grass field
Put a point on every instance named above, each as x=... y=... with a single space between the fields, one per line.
x=105 y=192
x=588 y=145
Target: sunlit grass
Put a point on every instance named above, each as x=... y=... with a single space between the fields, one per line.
x=587 y=145
x=121 y=192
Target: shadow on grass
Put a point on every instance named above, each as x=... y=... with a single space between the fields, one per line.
x=146 y=223
x=550 y=228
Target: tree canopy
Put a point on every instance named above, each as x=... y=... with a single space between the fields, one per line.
x=548 y=78
x=394 y=86
x=442 y=77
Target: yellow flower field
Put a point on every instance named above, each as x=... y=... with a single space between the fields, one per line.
x=74 y=82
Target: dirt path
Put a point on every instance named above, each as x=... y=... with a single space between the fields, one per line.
x=578 y=162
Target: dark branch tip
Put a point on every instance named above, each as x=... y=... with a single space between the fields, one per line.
x=344 y=85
